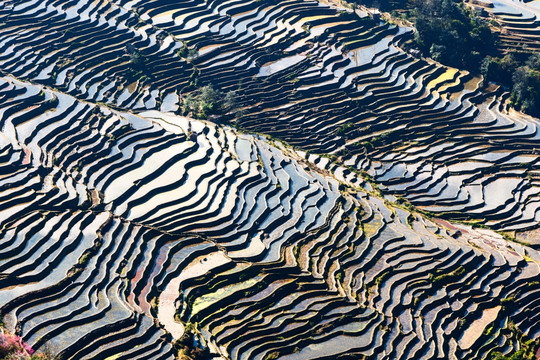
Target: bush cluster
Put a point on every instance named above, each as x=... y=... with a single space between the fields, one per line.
x=187 y=349
x=526 y=86
x=138 y=67
x=524 y=80
x=446 y=30
x=384 y=5
x=528 y=348
x=12 y=347
x=452 y=34
x=209 y=101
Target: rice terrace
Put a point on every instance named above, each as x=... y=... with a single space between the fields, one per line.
x=269 y=179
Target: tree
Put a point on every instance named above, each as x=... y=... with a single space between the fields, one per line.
x=452 y=34
x=138 y=67
x=186 y=348
x=187 y=53
x=209 y=101
x=383 y=5
x=137 y=60
x=526 y=89
x=499 y=70
x=230 y=102
x=190 y=104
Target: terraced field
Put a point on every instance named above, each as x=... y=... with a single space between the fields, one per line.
x=520 y=23
x=123 y=221
x=323 y=80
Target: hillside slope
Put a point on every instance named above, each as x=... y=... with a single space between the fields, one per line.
x=122 y=221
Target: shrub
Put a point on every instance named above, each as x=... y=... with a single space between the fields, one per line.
x=186 y=347
x=519 y=355
x=13 y=345
x=526 y=88
x=17 y=356
x=187 y=53
x=344 y=128
x=383 y=5
x=452 y=34
x=272 y=356
x=441 y=278
x=138 y=66
x=499 y=69
x=209 y=101
x=137 y=60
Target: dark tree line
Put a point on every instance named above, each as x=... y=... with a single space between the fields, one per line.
x=526 y=86
x=452 y=34
x=447 y=31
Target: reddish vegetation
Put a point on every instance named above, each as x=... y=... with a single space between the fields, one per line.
x=13 y=345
